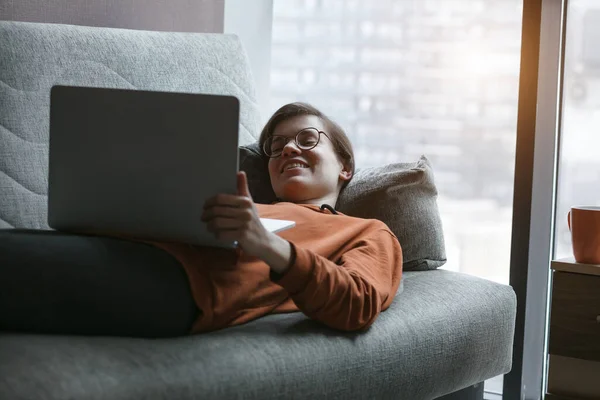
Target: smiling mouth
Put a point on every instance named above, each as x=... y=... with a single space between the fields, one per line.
x=293 y=166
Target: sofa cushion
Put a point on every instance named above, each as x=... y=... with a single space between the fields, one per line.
x=404 y=196
x=443 y=332
x=34 y=57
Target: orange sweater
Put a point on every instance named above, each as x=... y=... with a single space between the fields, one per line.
x=344 y=272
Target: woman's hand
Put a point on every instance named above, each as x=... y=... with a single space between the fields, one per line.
x=234 y=217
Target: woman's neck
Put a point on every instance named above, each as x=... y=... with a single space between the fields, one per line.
x=331 y=200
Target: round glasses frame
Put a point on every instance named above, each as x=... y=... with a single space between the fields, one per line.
x=287 y=139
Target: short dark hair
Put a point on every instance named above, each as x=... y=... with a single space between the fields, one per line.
x=339 y=139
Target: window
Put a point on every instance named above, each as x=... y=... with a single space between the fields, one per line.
x=411 y=77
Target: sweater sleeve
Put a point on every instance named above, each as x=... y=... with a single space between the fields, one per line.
x=349 y=294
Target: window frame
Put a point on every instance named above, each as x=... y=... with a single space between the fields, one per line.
x=535 y=190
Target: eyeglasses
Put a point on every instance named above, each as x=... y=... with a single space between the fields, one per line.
x=306 y=139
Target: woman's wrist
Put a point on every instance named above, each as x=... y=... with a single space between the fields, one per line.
x=278 y=253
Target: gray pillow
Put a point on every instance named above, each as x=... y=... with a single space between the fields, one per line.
x=255 y=164
x=402 y=195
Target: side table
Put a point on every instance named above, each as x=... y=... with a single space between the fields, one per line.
x=574 y=337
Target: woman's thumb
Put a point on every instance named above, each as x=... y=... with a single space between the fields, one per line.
x=242 y=184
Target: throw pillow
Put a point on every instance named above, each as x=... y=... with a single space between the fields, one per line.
x=402 y=195
x=255 y=164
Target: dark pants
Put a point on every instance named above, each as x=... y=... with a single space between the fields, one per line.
x=52 y=282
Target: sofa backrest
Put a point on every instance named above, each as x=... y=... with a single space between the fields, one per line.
x=35 y=56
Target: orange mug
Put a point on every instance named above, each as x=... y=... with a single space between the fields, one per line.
x=584 y=224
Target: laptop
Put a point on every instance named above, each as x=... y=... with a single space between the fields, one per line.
x=141 y=164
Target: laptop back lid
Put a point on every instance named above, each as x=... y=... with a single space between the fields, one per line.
x=139 y=163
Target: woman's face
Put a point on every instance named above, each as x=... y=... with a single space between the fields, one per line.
x=316 y=173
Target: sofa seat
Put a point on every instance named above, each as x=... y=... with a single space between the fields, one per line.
x=444 y=331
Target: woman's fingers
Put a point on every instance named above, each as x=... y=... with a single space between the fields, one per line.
x=241 y=214
x=219 y=224
x=228 y=200
x=235 y=218
x=229 y=235
x=220 y=211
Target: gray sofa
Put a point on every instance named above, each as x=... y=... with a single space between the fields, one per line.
x=445 y=333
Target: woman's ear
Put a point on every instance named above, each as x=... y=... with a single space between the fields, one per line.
x=345 y=173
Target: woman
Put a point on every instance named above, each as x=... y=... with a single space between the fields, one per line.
x=336 y=269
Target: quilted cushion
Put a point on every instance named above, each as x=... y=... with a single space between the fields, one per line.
x=34 y=57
